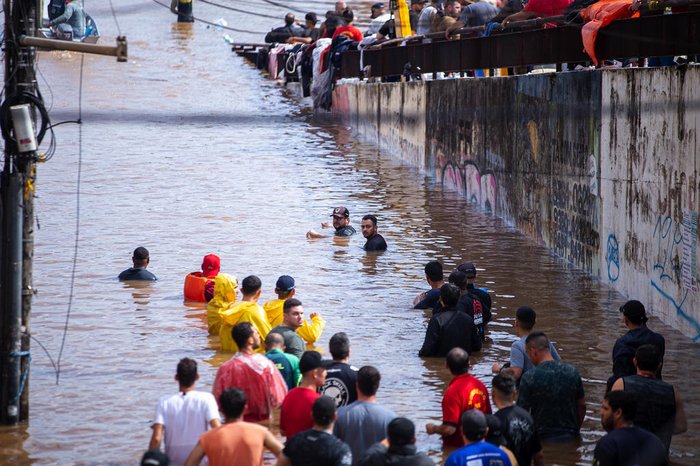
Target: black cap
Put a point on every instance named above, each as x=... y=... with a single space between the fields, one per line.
x=468 y=268
x=340 y=212
x=310 y=360
x=285 y=283
x=634 y=310
x=526 y=315
x=474 y=424
x=378 y=6
x=155 y=457
x=401 y=431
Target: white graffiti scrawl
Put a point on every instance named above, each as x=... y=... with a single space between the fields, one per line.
x=477 y=186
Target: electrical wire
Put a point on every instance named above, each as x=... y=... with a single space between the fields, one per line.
x=207 y=22
x=245 y=12
x=77 y=219
x=114 y=15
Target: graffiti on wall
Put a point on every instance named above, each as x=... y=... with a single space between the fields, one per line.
x=478 y=186
x=612 y=257
x=575 y=223
x=676 y=246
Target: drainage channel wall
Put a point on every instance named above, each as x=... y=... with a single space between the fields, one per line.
x=601 y=167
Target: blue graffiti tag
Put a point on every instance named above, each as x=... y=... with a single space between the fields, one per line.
x=669 y=236
x=679 y=308
x=613 y=257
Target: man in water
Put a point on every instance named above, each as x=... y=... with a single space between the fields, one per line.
x=375 y=241
x=341 y=223
x=434 y=276
x=182 y=418
x=138 y=272
x=293 y=319
x=72 y=21
x=341 y=377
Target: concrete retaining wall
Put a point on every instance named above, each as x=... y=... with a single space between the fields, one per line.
x=602 y=167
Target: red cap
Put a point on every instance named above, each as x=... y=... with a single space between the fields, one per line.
x=211 y=265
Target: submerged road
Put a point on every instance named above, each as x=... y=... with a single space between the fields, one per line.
x=187 y=150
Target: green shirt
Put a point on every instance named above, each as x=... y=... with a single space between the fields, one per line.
x=293 y=342
x=288 y=365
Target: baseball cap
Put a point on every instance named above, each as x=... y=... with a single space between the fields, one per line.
x=526 y=314
x=468 y=268
x=418 y=2
x=211 y=265
x=401 y=431
x=340 y=212
x=155 y=457
x=634 y=310
x=474 y=424
x=378 y=6
x=285 y=283
x=309 y=361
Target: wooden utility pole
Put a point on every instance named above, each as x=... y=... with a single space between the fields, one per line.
x=17 y=233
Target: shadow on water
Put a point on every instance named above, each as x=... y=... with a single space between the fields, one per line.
x=188 y=151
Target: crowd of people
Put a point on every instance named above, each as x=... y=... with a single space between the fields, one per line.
x=328 y=412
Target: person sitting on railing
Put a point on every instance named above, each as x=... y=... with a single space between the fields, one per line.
x=475 y=14
x=348 y=29
x=538 y=9
x=452 y=10
x=311 y=32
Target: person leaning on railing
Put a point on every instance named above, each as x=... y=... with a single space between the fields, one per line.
x=538 y=9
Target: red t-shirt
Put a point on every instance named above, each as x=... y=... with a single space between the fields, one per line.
x=465 y=392
x=351 y=31
x=546 y=8
x=295 y=416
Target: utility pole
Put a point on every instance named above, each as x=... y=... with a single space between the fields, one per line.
x=17 y=233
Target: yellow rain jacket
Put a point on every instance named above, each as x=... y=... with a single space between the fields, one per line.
x=310 y=333
x=224 y=296
x=242 y=311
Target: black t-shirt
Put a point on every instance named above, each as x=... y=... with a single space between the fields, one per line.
x=375 y=243
x=347 y=230
x=475 y=308
x=450 y=329
x=629 y=446
x=386 y=31
x=136 y=274
x=313 y=33
x=519 y=433
x=431 y=300
x=340 y=383
x=317 y=448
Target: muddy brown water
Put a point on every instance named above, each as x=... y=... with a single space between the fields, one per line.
x=187 y=150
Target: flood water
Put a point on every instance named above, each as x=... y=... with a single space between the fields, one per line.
x=186 y=150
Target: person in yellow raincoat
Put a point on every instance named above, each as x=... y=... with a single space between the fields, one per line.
x=224 y=296
x=246 y=310
x=274 y=311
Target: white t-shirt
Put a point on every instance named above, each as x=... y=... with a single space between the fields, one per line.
x=185 y=417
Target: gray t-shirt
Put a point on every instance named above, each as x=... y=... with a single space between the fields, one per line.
x=293 y=342
x=362 y=424
x=518 y=356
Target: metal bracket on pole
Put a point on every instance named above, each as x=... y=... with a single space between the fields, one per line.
x=119 y=51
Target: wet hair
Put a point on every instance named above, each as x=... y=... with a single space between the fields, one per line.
x=648 y=357
x=449 y=295
x=626 y=401
x=458 y=361
x=250 y=285
x=274 y=339
x=241 y=332
x=323 y=410
x=372 y=218
x=433 y=270
x=368 y=378
x=504 y=383
x=290 y=303
x=537 y=340
x=347 y=15
x=288 y=19
x=186 y=372
x=459 y=279
x=141 y=254
x=232 y=402
x=339 y=346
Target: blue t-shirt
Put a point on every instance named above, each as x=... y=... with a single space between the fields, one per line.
x=478 y=454
x=136 y=274
x=362 y=424
x=518 y=356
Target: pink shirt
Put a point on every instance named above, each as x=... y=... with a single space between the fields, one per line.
x=258 y=377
